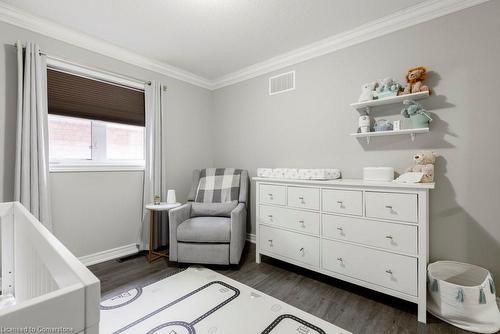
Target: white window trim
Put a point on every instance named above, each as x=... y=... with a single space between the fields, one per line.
x=94 y=167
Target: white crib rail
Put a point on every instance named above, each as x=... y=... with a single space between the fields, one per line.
x=51 y=287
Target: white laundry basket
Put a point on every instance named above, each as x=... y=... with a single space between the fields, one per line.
x=463 y=295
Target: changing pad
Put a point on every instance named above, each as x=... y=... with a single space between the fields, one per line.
x=300 y=173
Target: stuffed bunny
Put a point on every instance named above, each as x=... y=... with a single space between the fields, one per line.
x=367 y=91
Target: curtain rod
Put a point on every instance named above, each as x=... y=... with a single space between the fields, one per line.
x=43 y=53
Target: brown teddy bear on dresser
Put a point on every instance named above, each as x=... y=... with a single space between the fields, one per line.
x=414 y=80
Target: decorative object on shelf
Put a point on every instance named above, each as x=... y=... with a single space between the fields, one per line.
x=300 y=173
x=414 y=80
x=171 y=199
x=417 y=114
x=383 y=125
x=424 y=163
x=396 y=125
x=156 y=200
x=364 y=124
x=387 y=87
x=405 y=123
x=367 y=91
x=380 y=174
x=462 y=295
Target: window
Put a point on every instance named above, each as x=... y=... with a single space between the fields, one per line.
x=93 y=124
x=82 y=142
x=124 y=142
x=69 y=138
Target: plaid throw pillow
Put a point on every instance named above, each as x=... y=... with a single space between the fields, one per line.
x=218 y=185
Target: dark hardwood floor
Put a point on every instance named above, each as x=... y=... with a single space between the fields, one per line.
x=353 y=308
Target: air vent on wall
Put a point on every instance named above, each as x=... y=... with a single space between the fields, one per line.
x=282 y=83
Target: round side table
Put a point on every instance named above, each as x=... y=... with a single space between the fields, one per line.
x=152 y=254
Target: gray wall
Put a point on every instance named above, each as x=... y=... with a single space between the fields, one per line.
x=82 y=221
x=93 y=211
x=309 y=127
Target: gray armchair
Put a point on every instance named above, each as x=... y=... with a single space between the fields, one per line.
x=210 y=228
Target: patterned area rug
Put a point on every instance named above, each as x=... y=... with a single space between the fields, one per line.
x=199 y=300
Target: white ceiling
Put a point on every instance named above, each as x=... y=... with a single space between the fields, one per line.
x=211 y=38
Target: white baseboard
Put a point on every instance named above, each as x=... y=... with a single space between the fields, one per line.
x=251 y=237
x=109 y=254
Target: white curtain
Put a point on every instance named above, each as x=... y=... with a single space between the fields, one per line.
x=154 y=171
x=31 y=165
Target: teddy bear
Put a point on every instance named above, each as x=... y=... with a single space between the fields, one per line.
x=414 y=80
x=424 y=163
x=367 y=91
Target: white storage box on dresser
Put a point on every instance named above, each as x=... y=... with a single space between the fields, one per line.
x=374 y=234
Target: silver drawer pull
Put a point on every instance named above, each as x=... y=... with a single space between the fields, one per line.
x=340 y=202
x=301 y=222
x=302 y=251
x=301 y=197
x=340 y=228
x=270 y=242
x=389 y=271
x=389 y=237
x=391 y=210
x=270 y=195
x=270 y=216
x=340 y=259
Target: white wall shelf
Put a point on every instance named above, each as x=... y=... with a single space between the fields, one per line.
x=389 y=100
x=411 y=132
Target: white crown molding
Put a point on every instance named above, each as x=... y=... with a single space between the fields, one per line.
x=408 y=17
x=17 y=17
x=109 y=254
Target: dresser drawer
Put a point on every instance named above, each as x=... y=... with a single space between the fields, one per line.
x=391 y=206
x=303 y=221
x=394 y=237
x=295 y=246
x=300 y=197
x=272 y=194
x=343 y=201
x=396 y=272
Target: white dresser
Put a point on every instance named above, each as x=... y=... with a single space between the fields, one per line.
x=371 y=234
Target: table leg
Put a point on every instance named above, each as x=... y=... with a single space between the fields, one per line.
x=151 y=235
x=152 y=254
